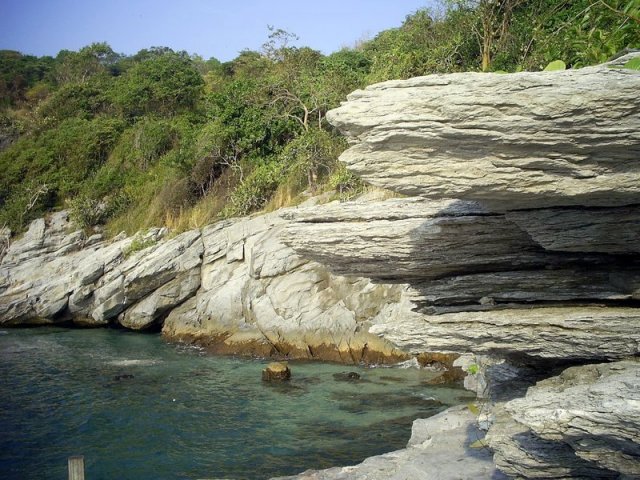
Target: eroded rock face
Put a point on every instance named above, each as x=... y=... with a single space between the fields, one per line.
x=47 y=266
x=532 y=139
x=150 y=271
x=478 y=282
x=536 y=260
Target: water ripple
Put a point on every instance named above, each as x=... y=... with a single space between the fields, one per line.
x=136 y=407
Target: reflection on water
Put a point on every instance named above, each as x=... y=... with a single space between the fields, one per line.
x=137 y=408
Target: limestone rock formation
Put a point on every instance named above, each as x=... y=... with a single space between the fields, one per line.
x=233 y=287
x=478 y=282
x=530 y=139
x=144 y=273
x=42 y=270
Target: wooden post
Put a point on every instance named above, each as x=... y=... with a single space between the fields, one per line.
x=76 y=467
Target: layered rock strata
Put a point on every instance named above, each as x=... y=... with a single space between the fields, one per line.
x=536 y=260
x=524 y=140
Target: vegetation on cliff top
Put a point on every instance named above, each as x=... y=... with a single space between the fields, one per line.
x=167 y=138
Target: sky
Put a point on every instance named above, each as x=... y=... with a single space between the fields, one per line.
x=210 y=28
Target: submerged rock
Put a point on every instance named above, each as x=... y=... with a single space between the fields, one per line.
x=347 y=377
x=276 y=372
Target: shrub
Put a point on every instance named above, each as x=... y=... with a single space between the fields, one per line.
x=254 y=192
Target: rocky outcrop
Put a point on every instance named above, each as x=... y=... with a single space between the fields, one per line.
x=521 y=245
x=233 y=287
x=583 y=422
x=152 y=281
x=55 y=274
x=524 y=140
x=258 y=296
x=535 y=260
x=42 y=270
x=478 y=281
x=442 y=447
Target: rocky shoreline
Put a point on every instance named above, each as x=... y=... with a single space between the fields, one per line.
x=518 y=251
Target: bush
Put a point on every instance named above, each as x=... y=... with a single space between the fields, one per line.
x=313 y=155
x=345 y=183
x=254 y=192
x=88 y=212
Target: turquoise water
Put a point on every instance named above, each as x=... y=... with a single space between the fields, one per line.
x=139 y=408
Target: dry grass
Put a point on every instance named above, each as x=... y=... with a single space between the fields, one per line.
x=287 y=195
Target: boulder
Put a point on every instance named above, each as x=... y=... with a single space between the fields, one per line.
x=584 y=422
x=595 y=409
x=520 y=453
x=276 y=372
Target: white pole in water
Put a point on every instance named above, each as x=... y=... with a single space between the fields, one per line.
x=76 y=467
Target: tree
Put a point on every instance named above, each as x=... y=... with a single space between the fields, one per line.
x=79 y=67
x=163 y=82
x=491 y=26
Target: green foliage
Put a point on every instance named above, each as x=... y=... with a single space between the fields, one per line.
x=29 y=201
x=18 y=73
x=313 y=155
x=138 y=244
x=481 y=443
x=89 y=61
x=81 y=100
x=421 y=46
x=556 y=65
x=163 y=83
x=254 y=192
x=136 y=141
x=633 y=64
x=345 y=183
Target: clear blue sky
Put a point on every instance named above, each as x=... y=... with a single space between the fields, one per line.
x=210 y=28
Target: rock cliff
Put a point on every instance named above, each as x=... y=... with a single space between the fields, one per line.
x=520 y=244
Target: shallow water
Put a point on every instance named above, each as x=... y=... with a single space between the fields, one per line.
x=138 y=408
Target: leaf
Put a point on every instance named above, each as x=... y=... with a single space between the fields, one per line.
x=633 y=64
x=473 y=408
x=555 y=66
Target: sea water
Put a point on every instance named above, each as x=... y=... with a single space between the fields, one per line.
x=139 y=408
